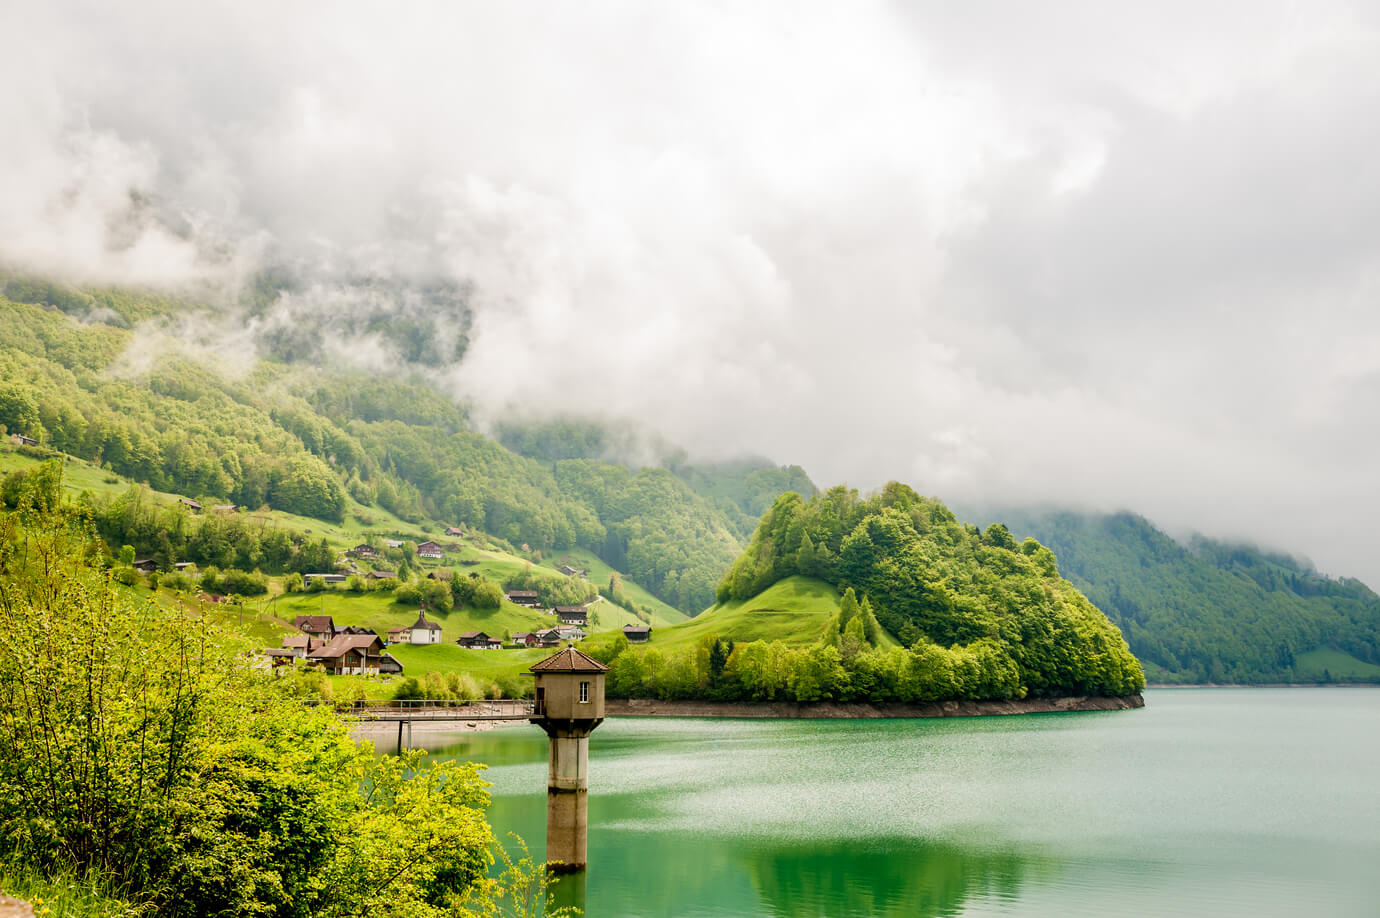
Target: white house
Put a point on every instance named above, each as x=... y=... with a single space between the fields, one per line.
x=419 y=632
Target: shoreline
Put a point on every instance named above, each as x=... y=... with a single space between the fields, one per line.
x=641 y=707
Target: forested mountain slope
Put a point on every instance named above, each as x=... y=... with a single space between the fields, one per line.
x=986 y=616
x=304 y=440
x=1212 y=611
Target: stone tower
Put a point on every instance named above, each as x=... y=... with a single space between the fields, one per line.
x=569 y=705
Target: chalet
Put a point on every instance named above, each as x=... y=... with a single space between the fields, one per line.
x=454 y=531
x=382 y=575
x=478 y=640
x=572 y=615
x=324 y=578
x=365 y=552
x=571 y=632
x=21 y=440
x=524 y=639
x=388 y=666
x=318 y=626
x=299 y=645
x=146 y=565
x=349 y=655
x=419 y=632
x=429 y=550
x=637 y=634
x=548 y=638
x=529 y=598
x=189 y=503
x=572 y=571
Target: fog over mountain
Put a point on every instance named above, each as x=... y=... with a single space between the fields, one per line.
x=1106 y=257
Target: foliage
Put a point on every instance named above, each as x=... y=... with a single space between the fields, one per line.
x=138 y=746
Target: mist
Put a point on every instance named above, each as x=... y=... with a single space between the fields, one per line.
x=1065 y=254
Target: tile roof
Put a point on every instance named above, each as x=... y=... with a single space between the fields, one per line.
x=569 y=660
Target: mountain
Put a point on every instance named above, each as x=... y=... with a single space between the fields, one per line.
x=145 y=387
x=1212 y=611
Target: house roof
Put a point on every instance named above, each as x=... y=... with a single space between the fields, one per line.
x=382 y=575
x=525 y=594
x=421 y=622
x=569 y=660
x=343 y=643
x=645 y=628
x=580 y=609
x=313 y=623
x=473 y=635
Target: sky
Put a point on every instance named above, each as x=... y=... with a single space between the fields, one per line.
x=1083 y=254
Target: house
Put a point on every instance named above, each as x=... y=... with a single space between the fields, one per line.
x=637 y=634
x=572 y=615
x=524 y=639
x=572 y=571
x=146 y=565
x=419 y=632
x=349 y=655
x=478 y=640
x=548 y=638
x=280 y=656
x=21 y=440
x=356 y=629
x=382 y=575
x=570 y=632
x=189 y=503
x=299 y=645
x=365 y=552
x=529 y=598
x=454 y=531
x=429 y=550
x=388 y=666
x=324 y=578
x=318 y=626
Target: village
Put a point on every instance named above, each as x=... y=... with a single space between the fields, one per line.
x=353 y=650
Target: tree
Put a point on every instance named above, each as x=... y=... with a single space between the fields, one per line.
x=18 y=408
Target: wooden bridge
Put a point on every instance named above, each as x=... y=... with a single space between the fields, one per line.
x=406 y=713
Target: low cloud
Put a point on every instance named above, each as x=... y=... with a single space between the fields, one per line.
x=1068 y=254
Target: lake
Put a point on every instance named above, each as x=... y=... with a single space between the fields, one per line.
x=1220 y=802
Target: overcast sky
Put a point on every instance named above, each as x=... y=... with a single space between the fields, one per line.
x=1104 y=255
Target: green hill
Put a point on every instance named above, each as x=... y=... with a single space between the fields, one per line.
x=964 y=599
x=351 y=451
x=1212 y=611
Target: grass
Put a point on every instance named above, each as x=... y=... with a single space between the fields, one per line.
x=66 y=897
x=379 y=612
x=1339 y=664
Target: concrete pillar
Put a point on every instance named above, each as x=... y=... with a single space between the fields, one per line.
x=567 y=799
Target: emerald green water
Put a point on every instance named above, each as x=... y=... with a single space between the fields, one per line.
x=1214 y=802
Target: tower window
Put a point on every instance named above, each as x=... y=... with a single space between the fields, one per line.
x=584 y=693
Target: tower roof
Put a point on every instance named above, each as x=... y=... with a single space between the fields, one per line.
x=569 y=660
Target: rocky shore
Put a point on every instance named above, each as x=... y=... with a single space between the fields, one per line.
x=637 y=707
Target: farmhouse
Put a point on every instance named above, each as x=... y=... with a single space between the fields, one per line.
x=365 y=552
x=529 y=598
x=146 y=565
x=350 y=655
x=548 y=638
x=637 y=634
x=21 y=440
x=189 y=503
x=454 y=531
x=382 y=575
x=429 y=550
x=524 y=639
x=572 y=571
x=572 y=615
x=478 y=640
x=299 y=645
x=318 y=626
x=388 y=665
x=570 y=632
x=419 y=632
